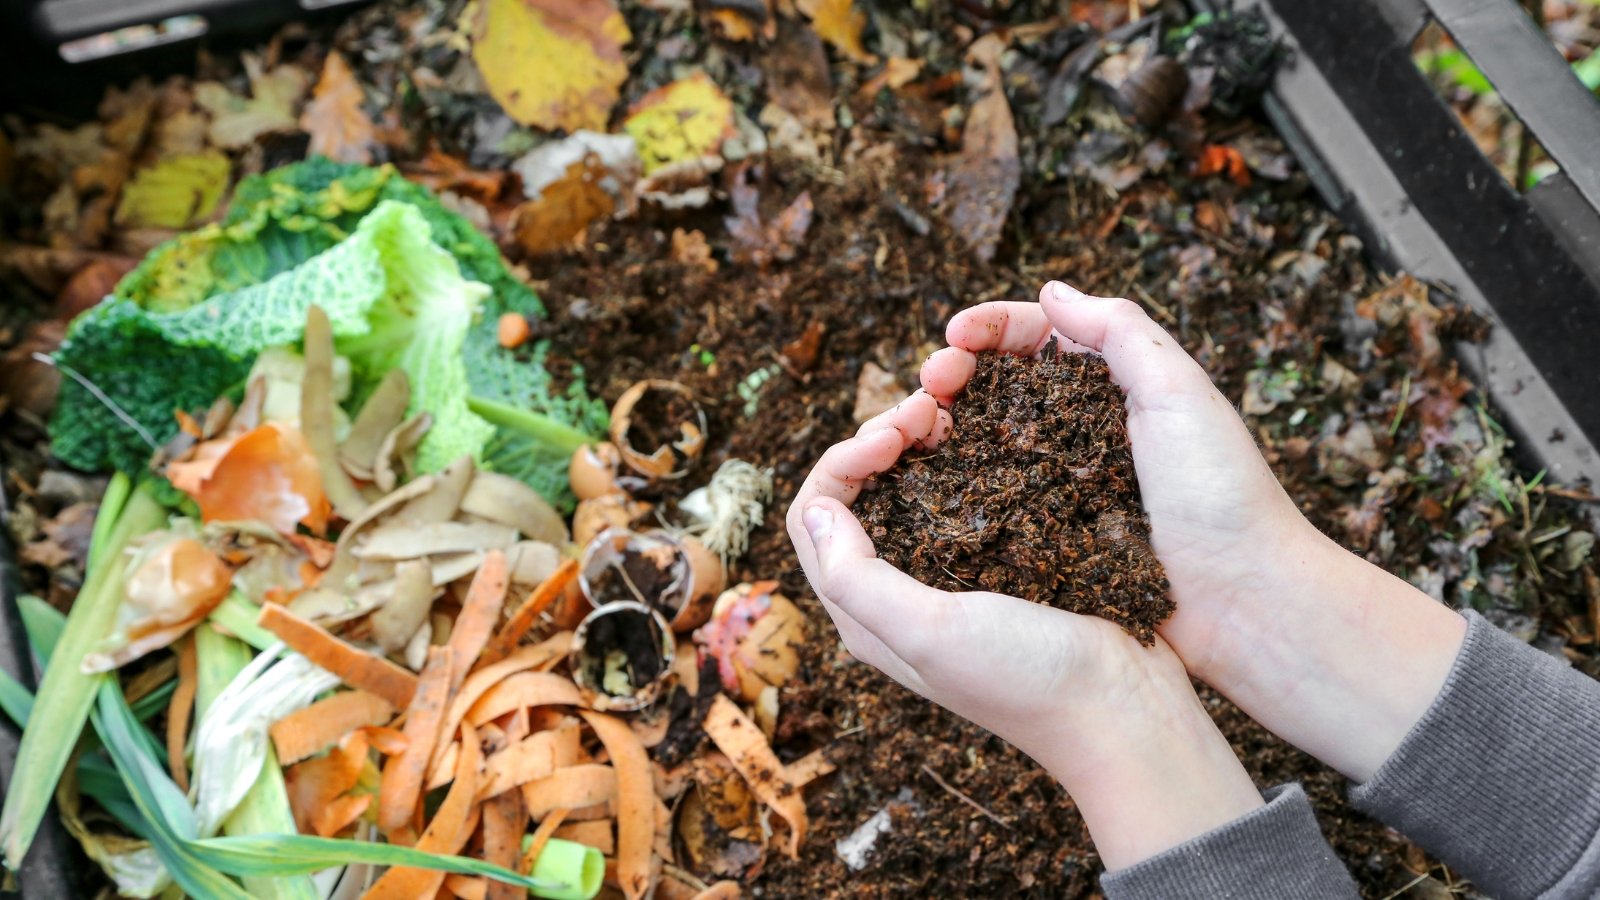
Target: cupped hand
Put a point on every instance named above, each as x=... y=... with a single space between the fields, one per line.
x=1220 y=523
x=1117 y=723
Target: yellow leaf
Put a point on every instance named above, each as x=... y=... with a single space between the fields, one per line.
x=553 y=64
x=338 y=126
x=237 y=121
x=839 y=23
x=176 y=192
x=680 y=121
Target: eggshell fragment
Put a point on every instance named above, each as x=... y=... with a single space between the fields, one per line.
x=637 y=419
x=593 y=470
x=620 y=655
x=609 y=511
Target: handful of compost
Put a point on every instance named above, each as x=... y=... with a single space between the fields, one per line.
x=1033 y=495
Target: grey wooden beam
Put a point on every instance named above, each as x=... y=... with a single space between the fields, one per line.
x=1524 y=67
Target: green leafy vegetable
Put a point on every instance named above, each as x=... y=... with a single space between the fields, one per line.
x=420 y=289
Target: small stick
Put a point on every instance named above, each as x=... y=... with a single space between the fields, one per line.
x=964 y=798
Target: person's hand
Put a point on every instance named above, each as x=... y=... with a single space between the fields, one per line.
x=1117 y=723
x=1326 y=650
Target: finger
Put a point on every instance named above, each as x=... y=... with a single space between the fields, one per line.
x=914 y=417
x=943 y=424
x=946 y=372
x=1146 y=361
x=905 y=614
x=1006 y=326
x=839 y=474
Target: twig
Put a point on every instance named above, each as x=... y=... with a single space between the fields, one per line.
x=94 y=390
x=1409 y=885
x=964 y=798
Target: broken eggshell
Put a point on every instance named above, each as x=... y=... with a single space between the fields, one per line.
x=754 y=635
x=658 y=428
x=593 y=470
x=676 y=576
x=600 y=513
x=621 y=654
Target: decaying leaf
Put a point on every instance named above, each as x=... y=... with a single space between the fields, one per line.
x=553 y=64
x=876 y=390
x=176 y=192
x=681 y=122
x=839 y=23
x=340 y=129
x=237 y=121
x=571 y=183
x=984 y=176
x=763 y=243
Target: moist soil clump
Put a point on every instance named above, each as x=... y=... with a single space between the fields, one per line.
x=1032 y=495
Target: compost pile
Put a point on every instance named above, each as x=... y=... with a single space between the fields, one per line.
x=775 y=207
x=1033 y=495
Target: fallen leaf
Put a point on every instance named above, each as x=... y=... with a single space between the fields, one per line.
x=338 y=126
x=1219 y=159
x=876 y=391
x=680 y=122
x=552 y=64
x=984 y=176
x=798 y=79
x=689 y=248
x=897 y=72
x=91 y=284
x=570 y=184
x=27 y=383
x=839 y=23
x=237 y=121
x=764 y=243
x=176 y=192
x=66 y=538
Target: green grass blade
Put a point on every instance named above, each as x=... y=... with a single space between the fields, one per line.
x=289 y=854
x=156 y=701
x=238 y=616
x=16 y=701
x=158 y=801
x=65 y=694
x=265 y=809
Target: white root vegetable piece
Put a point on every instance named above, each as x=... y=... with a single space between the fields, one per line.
x=396 y=447
x=501 y=498
x=384 y=410
x=395 y=622
x=441 y=503
x=317 y=408
x=399 y=540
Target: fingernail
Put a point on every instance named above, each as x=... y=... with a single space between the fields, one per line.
x=1060 y=292
x=819 y=521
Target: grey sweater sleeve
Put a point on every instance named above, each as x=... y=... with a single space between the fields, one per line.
x=1276 y=852
x=1501 y=777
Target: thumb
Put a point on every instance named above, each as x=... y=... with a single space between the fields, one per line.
x=899 y=610
x=1143 y=357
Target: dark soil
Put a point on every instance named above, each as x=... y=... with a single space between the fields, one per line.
x=636 y=635
x=653 y=577
x=659 y=419
x=1032 y=495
